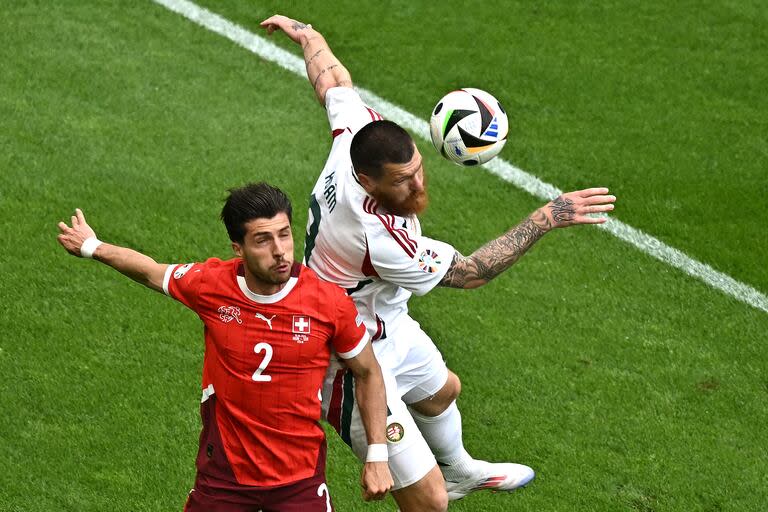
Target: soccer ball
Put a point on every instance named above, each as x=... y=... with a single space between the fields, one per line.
x=468 y=126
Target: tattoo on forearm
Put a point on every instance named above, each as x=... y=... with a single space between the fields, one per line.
x=308 y=41
x=562 y=210
x=321 y=73
x=456 y=275
x=297 y=25
x=318 y=52
x=496 y=256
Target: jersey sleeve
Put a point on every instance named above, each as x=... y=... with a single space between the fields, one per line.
x=182 y=282
x=416 y=263
x=350 y=336
x=346 y=110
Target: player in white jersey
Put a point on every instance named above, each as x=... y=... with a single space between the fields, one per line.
x=363 y=234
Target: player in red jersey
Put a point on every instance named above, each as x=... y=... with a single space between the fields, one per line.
x=270 y=327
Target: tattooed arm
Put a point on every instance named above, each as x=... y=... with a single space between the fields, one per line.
x=498 y=255
x=324 y=70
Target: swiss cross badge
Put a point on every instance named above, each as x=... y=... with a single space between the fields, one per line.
x=301 y=328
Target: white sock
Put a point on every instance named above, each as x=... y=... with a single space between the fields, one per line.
x=443 y=435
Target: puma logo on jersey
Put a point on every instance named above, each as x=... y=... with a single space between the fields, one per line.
x=268 y=320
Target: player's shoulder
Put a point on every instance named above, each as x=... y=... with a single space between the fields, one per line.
x=219 y=265
x=341 y=194
x=212 y=270
x=338 y=96
x=199 y=277
x=308 y=278
x=384 y=230
x=347 y=112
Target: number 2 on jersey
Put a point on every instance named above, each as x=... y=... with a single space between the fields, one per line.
x=258 y=375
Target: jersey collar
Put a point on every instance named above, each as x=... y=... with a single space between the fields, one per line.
x=268 y=299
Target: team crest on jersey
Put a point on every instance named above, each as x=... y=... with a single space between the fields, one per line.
x=395 y=432
x=429 y=261
x=301 y=328
x=229 y=313
x=179 y=272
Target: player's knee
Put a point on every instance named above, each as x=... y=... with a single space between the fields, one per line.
x=440 y=401
x=455 y=384
x=426 y=495
x=449 y=392
x=436 y=504
x=436 y=501
x=440 y=502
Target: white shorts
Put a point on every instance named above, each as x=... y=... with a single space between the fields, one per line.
x=413 y=370
x=411 y=356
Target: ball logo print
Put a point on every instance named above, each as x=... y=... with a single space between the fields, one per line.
x=468 y=126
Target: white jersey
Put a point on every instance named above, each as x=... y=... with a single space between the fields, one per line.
x=380 y=258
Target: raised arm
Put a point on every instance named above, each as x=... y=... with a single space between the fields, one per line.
x=372 y=400
x=80 y=240
x=323 y=68
x=498 y=255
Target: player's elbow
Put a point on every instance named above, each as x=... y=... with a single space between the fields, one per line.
x=366 y=370
x=322 y=89
x=321 y=94
x=475 y=283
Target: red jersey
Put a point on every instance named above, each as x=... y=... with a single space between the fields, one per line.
x=265 y=360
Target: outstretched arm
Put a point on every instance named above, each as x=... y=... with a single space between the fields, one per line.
x=135 y=265
x=323 y=68
x=372 y=400
x=498 y=255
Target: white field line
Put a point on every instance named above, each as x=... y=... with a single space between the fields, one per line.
x=506 y=171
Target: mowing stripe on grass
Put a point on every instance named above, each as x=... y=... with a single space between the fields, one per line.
x=506 y=171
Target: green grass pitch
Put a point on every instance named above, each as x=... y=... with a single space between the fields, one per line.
x=626 y=384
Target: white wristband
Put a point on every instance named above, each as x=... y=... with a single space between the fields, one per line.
x=89 y=247
x=377 y=453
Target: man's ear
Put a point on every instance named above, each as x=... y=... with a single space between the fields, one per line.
x=367 y=182
x=237 y=249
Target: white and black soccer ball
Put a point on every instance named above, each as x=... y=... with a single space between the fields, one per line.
x=468 y=126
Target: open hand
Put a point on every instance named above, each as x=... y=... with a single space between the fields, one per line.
x=72 y=238
x=575 y=208
x=291 y=27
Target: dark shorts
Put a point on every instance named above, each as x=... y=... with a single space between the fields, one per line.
x=216 y=488
x=307 y=495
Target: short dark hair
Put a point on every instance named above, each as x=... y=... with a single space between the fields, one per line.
x=379 y=143
x=253 y=201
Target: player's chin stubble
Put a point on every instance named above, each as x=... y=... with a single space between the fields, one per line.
x=270 y=276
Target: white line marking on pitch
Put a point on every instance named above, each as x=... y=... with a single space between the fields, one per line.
x=499 y=167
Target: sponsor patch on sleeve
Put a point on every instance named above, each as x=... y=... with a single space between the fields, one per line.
x=179 y=272
x=429 y=261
